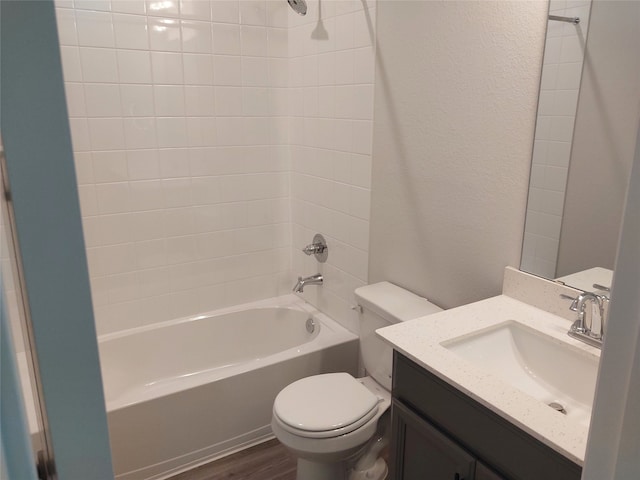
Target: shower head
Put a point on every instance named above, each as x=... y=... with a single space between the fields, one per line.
x=299 y=6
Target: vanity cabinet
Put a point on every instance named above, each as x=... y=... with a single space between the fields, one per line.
x=425 y=452
x=440 y=433
x=485 y=473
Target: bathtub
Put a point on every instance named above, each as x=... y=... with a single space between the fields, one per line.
x=183 y=392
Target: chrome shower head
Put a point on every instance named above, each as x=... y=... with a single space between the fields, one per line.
x=299 y=6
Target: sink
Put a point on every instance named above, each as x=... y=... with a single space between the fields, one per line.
x=548 y=369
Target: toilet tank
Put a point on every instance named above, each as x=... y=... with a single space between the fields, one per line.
x=384 y=304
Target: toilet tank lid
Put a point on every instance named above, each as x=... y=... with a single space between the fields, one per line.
x=394 y=303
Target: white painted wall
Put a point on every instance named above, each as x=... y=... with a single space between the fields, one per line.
x=604 y=138
x=455 y=105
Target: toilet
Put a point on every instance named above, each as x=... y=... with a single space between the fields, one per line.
x=329 y=421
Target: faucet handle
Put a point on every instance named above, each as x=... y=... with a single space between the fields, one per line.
x=603 y=288
x=314 y=248
x=592 y=311
x=597 y=286
x=318 y=248
x=604 y=313
x=574 y=303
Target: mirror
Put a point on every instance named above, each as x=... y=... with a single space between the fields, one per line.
x=584 y=141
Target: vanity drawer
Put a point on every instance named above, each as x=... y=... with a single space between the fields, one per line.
x=496 y=442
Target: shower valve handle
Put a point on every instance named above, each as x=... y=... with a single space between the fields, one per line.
x=318 y=248
x=314 y=248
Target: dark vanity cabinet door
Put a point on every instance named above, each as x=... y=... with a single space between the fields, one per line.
x=424 y=452
x=485 y=473
x=439 y=432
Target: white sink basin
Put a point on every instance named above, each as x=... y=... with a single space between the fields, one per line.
x=541 y=366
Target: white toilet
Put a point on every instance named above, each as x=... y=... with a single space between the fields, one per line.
x=327 y=420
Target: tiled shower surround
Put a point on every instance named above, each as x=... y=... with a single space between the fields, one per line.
x=212 y=139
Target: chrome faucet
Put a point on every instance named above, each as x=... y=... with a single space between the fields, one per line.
x=316 y=279
x=592 y=311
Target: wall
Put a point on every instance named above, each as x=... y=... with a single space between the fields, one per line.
x=331 y=77
x=190 y=122
x=604 y=139
x=179 y=120
x=10 y=298
x=614 y=437
x=453 y=132
x=561 y=74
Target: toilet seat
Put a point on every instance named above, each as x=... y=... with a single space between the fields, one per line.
x=324 y=406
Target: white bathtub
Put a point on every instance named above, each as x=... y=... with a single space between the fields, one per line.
x=183 y=392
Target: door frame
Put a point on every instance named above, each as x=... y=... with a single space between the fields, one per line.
x=51 y=249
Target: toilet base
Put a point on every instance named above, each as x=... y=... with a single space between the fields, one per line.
x=308 y=470
x=332 y=458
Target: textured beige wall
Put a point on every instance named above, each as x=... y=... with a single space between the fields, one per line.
x=604 y=138
x=455 y=104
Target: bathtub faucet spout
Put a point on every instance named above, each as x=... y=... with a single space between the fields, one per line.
x=303 y=282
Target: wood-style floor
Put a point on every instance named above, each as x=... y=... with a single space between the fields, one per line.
x=267 y=461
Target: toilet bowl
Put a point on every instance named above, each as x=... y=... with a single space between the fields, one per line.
x=328 y=420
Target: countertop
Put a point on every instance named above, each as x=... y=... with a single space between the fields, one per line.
x=586 y=279
x=421 y=340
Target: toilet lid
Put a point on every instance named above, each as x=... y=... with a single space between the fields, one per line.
x=324 y=402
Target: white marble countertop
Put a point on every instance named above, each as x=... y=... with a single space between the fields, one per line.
x=421 y=340
x=586 y=279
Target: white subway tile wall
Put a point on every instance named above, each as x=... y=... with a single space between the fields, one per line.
x=179 y=117
x=212 y=140
x=331 y=75
x=561 y=76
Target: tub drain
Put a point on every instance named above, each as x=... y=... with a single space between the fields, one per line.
x=311 y=325
x=558 y=407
